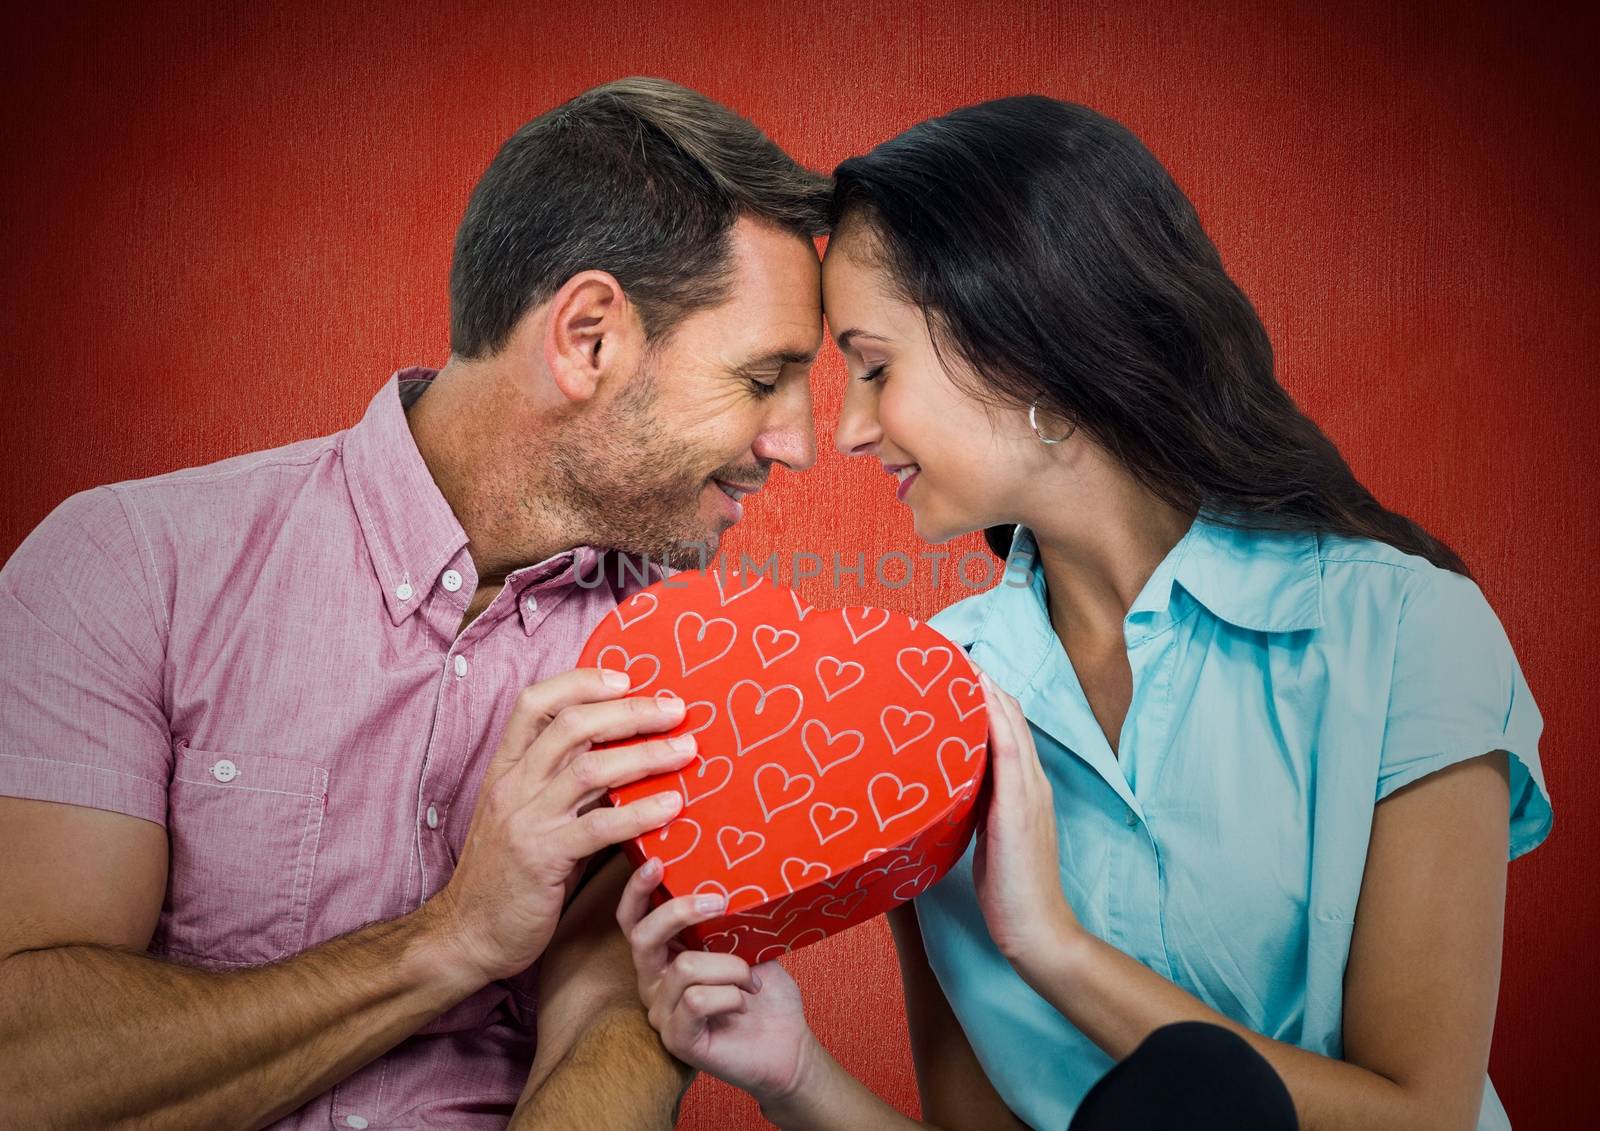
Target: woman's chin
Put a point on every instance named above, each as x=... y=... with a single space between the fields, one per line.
x=938 y=530
x=929 y=529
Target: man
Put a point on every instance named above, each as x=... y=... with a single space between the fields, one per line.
x=286 y=841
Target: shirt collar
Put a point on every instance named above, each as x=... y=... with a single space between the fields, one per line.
x=581 y=567
x=410 y=530
x=1261 y=580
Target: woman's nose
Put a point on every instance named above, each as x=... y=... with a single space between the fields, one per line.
x=858 y=431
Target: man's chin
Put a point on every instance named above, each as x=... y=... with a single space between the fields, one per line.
x=695 y=552
x=693 y=545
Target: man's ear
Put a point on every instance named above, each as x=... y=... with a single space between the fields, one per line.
x=593 y=331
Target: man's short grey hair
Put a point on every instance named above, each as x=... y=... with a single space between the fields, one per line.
x=642 y=178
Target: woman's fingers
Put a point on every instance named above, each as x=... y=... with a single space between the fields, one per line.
x=635 y=901
x=701 y=1003
x=1018 y=740
x=698 y=968
x=699 y=1006
x=649 y=937
x=1002 y=737
x=1019 y=778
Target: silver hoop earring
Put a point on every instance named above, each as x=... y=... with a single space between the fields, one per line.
x=1033 y=421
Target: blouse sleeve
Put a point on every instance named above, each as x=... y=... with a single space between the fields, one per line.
x=1458 y=693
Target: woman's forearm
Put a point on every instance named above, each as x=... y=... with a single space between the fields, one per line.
x=1117 y=1002
x=827 y=1098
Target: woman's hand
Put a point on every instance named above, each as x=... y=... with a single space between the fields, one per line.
x=1015 y=865
x=714 y=1012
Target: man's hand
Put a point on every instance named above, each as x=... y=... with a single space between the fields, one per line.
x=539 y=815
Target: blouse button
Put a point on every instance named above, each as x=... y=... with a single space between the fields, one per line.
x=225 y=771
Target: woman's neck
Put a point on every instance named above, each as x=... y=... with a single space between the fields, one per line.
x=1096 y=560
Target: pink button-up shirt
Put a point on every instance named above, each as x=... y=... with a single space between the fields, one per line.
x=261 y=656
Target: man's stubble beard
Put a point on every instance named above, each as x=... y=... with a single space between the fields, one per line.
x=631 y=487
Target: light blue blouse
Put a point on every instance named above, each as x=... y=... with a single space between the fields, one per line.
x=1283 y=685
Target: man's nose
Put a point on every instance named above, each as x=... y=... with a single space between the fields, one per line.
x=790 y=436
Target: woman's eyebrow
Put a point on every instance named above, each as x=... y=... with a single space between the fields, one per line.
x=847 y=336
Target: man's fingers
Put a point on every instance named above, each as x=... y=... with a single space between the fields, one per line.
x=576 y=728
x=590 y=774
x=538 y=705
x=605 y=826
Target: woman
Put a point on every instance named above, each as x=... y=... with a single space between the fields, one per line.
x=1255 y=738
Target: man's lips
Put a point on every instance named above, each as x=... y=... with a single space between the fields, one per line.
x=736 y=491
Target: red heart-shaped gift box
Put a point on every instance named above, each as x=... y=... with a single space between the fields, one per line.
x=840 y=754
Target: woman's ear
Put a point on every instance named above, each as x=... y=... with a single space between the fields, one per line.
x=593 y=331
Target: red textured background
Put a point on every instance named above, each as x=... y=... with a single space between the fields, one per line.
x=224 y=224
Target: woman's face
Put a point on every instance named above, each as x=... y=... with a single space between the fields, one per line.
x=956 y=461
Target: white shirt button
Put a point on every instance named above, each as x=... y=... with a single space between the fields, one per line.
x=403 y=591
x=433 y=817
x=451 y=580
x=225 y=771
x=531 y=603
x=356 y=1121
x=461 y=667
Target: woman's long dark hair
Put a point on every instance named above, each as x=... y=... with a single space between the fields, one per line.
x=1055 y=255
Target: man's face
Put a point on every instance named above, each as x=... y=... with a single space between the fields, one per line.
x=722 y=399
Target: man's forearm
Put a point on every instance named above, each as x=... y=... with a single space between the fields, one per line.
x=616 y=1077
x=94 y=1037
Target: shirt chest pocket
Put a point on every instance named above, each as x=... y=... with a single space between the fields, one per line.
x=243 y=831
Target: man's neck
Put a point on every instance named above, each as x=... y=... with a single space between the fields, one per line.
x=471 y=428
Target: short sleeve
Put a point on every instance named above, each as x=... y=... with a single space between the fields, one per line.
x=81 y=705
x=1458 y=693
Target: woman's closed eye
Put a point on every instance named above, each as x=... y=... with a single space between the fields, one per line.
x=874 y=372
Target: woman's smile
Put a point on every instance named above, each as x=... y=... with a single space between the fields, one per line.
x=905 y=473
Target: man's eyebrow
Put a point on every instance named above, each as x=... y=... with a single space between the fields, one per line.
x=777 y=357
